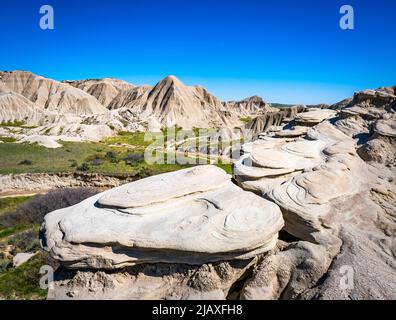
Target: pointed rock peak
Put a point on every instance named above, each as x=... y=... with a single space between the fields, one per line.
x=172 y=80
x=255 y=98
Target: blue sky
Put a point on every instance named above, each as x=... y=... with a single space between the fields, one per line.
x=285 y=51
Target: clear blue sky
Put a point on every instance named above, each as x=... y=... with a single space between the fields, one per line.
x=285 y=51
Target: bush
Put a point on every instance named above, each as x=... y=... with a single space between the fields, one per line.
x=144 y=172
x=96 y=161
x=133 y=158
x=5 y=264
x=25 y=242
x=73 y=163
x=26 y=162
x=34 y=210
x=112 y=156
x=7 y=139
x=84 y=167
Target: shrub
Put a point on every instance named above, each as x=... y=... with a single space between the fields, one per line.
x=133 y=158
x=5 y=264
x=25 y=242
x=84 y=167
x=96 y=161
x=7 y=139
x=47 y=131
x=144 y=172
x=112 y=156
x=26 y=162
x=34 y=210
x=73 y=163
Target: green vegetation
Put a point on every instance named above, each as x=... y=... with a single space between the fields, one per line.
x=9 y=231
x=245 y=119
x=19 y=233
x=11 y=204
x=54 y=160
x=226 y=167
x=13 y=124
x=119 y=155
x=135 y=139
x=47 y=131
x=23 y=282
x=7 y=139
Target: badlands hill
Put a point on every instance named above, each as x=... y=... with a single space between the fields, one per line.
x=50 y=95
x=95 y=108
x=104 y=90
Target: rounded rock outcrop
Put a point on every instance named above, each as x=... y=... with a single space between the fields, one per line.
x=192 y=216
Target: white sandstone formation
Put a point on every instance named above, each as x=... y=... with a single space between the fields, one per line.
x=45 y=141
x=51 y=95
x=104 y=90
x=193 y=216
x=339 y=210
x=96 y=108
x=314 y=116
x=296 y=131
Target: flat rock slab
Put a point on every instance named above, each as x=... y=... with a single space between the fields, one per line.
x=386 y=127
x=192 y=216
x=290 y=133
x=315 y=116
x=164 y=187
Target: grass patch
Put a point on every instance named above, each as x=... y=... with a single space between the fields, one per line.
x=49 y=160
x=131 y=138
x=13 y=124
x=8 y=139
x=14 y=229
x=26 y=241
x=11 y=204
x=105 y=157
x=245 y=119
x=23 y=282
x=226 y=167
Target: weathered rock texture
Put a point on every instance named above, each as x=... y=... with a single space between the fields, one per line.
x=96 y=108
x=197 y=216
x=339 y=211
x=332 y=177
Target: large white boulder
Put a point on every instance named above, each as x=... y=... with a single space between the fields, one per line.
x=192 y=216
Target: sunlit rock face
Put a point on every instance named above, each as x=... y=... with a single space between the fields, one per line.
x=314 y=116
x=335 y=186
x=292 y=173
x=192 y=216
